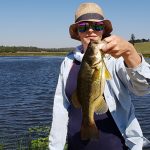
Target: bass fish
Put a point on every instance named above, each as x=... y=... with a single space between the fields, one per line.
x=90 y=88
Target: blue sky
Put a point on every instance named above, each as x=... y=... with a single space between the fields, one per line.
x=45 y=23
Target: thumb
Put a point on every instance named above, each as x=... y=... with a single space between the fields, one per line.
x=103 y=46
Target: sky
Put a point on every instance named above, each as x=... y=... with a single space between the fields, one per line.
x=45 y=23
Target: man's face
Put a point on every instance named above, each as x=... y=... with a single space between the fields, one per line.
x=90 y=31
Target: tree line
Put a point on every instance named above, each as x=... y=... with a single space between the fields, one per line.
x=14 y=49
x=133 y=40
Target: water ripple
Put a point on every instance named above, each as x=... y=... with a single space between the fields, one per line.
x=26 y=96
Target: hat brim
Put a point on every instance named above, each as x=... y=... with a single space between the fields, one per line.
x=74 y=33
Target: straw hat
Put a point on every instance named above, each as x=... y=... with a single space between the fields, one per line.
x=89 y=12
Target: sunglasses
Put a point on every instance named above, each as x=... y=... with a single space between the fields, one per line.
x=84 y=26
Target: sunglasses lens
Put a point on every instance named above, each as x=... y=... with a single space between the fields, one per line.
x=82 y=27
x=98 y=26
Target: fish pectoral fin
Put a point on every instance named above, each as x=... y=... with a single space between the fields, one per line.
x=100 y=105
x=96 y=75
x=107 y=73
x=74 y=99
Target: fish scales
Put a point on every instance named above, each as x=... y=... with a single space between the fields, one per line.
x=90 y=87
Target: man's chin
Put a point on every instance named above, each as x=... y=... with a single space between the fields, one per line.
x=93 y=38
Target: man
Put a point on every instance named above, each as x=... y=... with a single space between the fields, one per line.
x=119 y=127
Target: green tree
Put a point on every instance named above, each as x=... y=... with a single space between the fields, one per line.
x=132 y=39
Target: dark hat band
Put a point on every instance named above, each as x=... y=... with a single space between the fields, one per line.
x=89 y=16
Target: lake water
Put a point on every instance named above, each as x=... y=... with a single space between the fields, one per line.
x=27 y=86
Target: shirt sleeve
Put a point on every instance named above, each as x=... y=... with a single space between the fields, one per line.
x=137 y=79
x=140 y=78
x=58 y=132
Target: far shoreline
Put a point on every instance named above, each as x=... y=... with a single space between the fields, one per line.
x=147 y=55
x=34 y=54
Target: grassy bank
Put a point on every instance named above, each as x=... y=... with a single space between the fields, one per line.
x=34 y=54
x=143 y=48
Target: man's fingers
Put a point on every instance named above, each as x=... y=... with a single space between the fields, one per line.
x=110 y=44
x=108 y=47
x=108 y=39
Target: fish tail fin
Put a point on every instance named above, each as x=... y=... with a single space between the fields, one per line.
x=89 y=132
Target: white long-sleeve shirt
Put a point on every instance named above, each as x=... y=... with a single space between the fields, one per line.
x=136 y=80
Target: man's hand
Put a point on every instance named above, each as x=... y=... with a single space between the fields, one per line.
x=117 y=47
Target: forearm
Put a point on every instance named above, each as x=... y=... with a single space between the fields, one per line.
x=140 y=77
x=131 y=57
x=137 y=79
